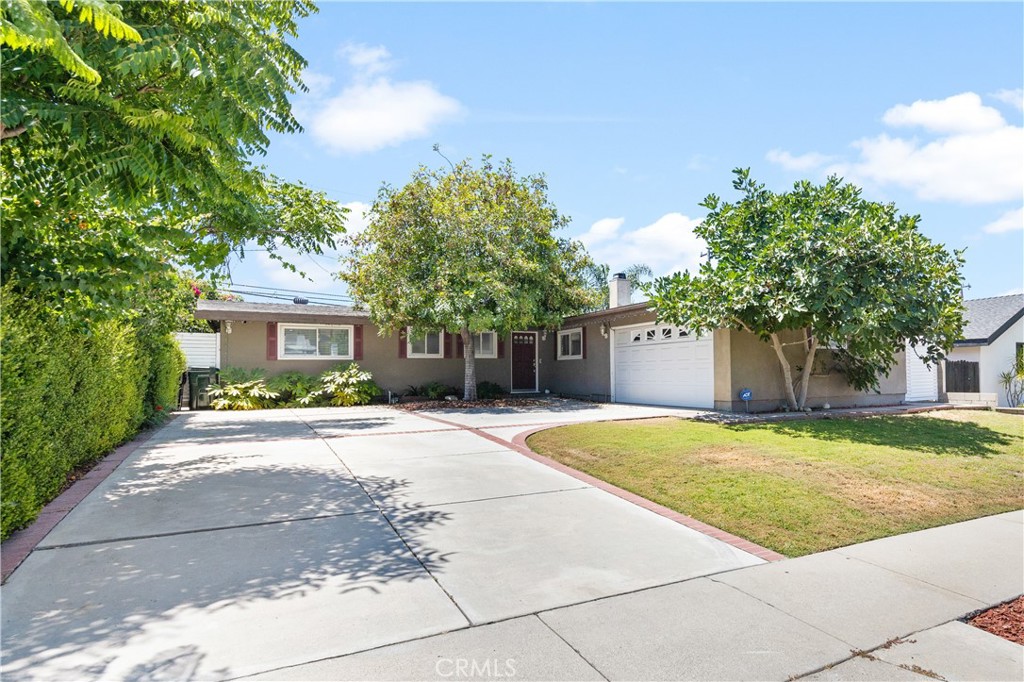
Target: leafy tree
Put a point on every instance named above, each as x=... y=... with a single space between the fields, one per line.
x=190 y=289
x=155 y=108
x=468 y=251
x=599 y=274
x=823 y=263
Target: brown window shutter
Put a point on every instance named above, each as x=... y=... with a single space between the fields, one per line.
x=271 y=340
x=501 y=348
x=447 y=345
x=583 y=341
x=557 y=341
x=460 y=350
x=402 y=349
x=357 y=342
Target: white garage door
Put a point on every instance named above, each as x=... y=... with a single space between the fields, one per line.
x=663 y=365
x=922 y=381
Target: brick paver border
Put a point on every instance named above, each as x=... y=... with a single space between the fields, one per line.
x=21 y=543
x=518 y=443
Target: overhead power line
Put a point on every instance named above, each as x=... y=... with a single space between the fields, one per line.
x=304 y=292
x=279 y=297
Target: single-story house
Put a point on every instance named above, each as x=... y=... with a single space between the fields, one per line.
x=619 y=354
x=993 y=336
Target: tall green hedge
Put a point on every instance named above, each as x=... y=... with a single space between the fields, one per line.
x=68 y=395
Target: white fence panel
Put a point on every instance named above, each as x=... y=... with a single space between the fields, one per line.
x=201 y=350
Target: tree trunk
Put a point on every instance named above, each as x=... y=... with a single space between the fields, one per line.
x=469 y=353
x=787 y=373
x=805 y=378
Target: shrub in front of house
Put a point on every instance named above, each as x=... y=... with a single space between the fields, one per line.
x=435 y=390
x=344 y=386
x=488 y=390
x=341 y=386
x=292 y=387
x=70 y=394
x=246 y=395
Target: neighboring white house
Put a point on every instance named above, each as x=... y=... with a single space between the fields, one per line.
x=993 y=335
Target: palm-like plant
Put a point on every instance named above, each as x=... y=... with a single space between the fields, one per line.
x=598 y=275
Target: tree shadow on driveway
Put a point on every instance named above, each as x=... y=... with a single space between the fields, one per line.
x=209 y=603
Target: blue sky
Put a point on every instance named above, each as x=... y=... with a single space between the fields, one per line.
x=635 y=112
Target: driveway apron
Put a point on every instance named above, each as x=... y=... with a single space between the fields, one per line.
x=234 y=544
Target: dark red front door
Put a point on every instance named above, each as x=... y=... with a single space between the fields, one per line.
x=524 y=361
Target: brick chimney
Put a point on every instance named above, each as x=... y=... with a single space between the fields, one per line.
x=618 y=291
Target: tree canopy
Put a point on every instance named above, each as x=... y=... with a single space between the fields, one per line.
x=852 y=275
x=156 y=109
x=467 y=251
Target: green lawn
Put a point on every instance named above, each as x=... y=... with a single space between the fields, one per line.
x=805 y=486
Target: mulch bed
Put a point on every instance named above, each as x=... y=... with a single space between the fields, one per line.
x=1006 y=620
x=470 y=404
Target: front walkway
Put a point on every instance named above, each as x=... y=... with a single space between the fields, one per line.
x=371 y=543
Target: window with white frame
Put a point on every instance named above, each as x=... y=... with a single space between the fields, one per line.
x=315 y=342
x=425 y=346
x=570 y=344
x=485 y=345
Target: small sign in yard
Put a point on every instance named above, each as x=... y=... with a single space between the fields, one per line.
x=745 y=395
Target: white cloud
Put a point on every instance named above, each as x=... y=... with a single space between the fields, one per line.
x=366 y=117
x=317 y=82
x=601 y=231
x=971 y=156
x=802 y=162
x=1014 y=98
x=368 y=60
x=1011 y=221
x=374 y=111
x=357 y=218
x=667 y=245
x=971 y=168
x=963 y=113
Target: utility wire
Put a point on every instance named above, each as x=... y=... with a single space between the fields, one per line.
x=261 y=294
x=293 y=291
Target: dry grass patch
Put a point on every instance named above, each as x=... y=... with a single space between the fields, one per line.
x=805 y=486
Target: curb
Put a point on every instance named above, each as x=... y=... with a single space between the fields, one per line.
x=16 y=548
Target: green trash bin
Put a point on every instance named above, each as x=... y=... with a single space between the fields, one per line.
x=199 y=381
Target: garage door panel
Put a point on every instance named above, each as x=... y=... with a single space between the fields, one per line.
x=663 y=365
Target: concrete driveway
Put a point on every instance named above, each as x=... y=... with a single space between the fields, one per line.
x=234 y=544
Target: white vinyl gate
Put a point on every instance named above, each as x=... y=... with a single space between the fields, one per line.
x=660 y=364
x=922 y=381
x=201 y=350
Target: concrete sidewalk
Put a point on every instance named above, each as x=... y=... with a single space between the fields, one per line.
x=882 y=610
x=372 y=543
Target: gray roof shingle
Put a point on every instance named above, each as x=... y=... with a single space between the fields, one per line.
x=986 y=318
x=275 y=312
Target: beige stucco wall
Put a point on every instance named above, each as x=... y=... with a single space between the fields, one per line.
x=753 y=364
x=591 y=378
x=246 y=347
x=741 y=361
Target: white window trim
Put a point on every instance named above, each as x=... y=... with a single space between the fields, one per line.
x=282 y=326
x=494 y=346
x=424 y=356
x=570 y=332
